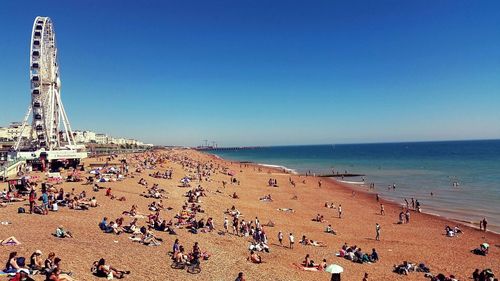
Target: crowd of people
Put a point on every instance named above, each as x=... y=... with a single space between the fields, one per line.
x=145 y=227
x=51 y=267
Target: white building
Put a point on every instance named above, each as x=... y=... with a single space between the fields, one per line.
x=13 y=131
x=102 y=139
x=84 y=136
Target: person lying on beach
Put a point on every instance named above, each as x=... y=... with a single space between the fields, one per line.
x=452 y=232
x=132 y=212
x=62 y=233
x=57 y=275
x=254 y=257
x=97 y=187
x=259 y=247
x=22 y=275
x=266 y=198
x=290 y=210
x=355 y=254
x=407 y=267
x=309 y=265
x=404 y=268
x=270 y=223
x=132 y=227
x=442 y=277
x=309 y=242
x=233 y=212
x=101 y=269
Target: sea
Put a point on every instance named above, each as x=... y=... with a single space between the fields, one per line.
x=463 y=176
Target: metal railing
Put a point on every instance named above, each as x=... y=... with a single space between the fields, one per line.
x=4 y=171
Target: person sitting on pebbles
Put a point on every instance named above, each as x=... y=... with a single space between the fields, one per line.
x=329 y=229
x=62 y=233
x=104 y=270
x=254 y=257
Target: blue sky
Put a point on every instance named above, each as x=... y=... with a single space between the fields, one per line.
x=266 y=72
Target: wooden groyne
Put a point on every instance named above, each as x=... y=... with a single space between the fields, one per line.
x=344 y=175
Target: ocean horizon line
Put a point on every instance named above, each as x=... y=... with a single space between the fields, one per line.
x=360 y=143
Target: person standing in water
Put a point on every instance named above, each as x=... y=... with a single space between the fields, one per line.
x=485 y=222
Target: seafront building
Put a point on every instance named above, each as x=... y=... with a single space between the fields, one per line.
x=11 y=133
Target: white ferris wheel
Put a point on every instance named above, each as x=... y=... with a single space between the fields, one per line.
x=50 y=128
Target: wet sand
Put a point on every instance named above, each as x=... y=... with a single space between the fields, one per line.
x=422 y=240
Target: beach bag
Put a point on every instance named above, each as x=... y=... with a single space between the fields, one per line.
x=38 y=210
x=21 y=261
x=21 y=210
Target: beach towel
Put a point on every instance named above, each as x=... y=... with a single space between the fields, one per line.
x=11 y=241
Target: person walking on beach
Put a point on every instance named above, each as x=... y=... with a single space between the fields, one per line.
x=365 y=278
x=226 y=225
x=407 y=215
x=340 y=211
x=292 y=240
x=319 y=183
x=485 y=222
x=382 y=210
x=45 y=201
x=280 y=238
x=377 y=230
x=32 y=198
x=236 y=231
